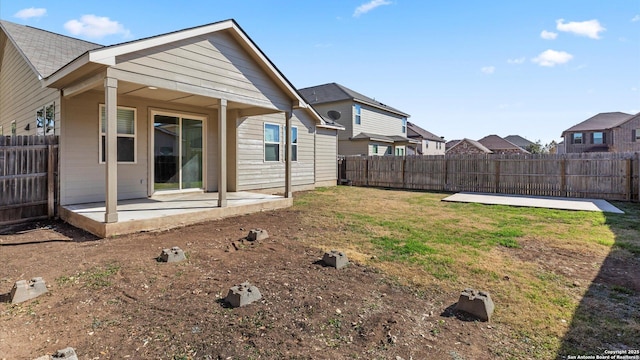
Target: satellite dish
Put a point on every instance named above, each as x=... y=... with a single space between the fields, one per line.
x=333 y=115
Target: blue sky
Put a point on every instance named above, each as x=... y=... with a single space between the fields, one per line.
x=460 y=68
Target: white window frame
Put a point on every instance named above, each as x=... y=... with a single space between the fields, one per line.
x=134 y=135
x=14 y=128
x=404 y=125
x=358 y=114
x=46 y=130
x=265 y=142
x=601 y=137
x=295 y=143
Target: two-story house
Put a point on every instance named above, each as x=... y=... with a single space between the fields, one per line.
x=371 y=127
x=430 y=143
x=604 y=132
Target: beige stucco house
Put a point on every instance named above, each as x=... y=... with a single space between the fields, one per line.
x=371 y=127
x=200 y=110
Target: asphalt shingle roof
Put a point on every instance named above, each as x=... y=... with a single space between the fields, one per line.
x=423 y=133
x=473 y=143
x=335 y=92
x=46 y=51
x=519 y=140
x=601 y=121
x=495 y=142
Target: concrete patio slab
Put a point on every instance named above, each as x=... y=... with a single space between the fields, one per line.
x=167 y=211
x=535 y=201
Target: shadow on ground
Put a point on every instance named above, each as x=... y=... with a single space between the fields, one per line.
x=608 y=317
x=69 y=232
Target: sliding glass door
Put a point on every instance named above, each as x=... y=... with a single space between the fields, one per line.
x=177 y=146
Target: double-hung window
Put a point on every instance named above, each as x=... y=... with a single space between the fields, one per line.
x=358 y=114
x=598 y=138
x=577 y=138
x=404 y=125
x=126 y=124
x=294 y=143
x=272 y=142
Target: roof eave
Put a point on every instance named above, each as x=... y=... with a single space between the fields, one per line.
x=64 y=71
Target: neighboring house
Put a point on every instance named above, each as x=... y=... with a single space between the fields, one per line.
x=371 y=127
x=604 y=132
x=498 y=145
x=467 y=147
x=560 y=148
x=430 y=144
x=196 y=109
x=520 y=141
x=449 y=144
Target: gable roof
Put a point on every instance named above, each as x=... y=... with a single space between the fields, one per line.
x=472 y=143
x=519 y=141
x=422 y=133
x=332 y=92
x=601 y=121
x=496 y=143
x=45 y=51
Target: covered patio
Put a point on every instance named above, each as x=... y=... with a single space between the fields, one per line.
x=168 y=211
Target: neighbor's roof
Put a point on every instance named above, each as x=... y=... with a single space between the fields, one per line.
x=45 y=51
x=495 y=142
x=335 y=92
x=423 y=133
x=519 y=141
x=384 y=138
x=472 y=142
x=451 y=143
x=601 y=121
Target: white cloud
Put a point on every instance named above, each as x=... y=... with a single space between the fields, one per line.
x=488 y=69
x=30 y=13
x=636 y=18
x=95 y=27
x=590 y=28
x=519 y=60
x=552 y=58
x=365 y=8
x=548 y=35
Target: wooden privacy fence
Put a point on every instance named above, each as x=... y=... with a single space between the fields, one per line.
x=610 y=176
x=28 y=178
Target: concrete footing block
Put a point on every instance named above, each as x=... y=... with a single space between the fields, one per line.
x=243 y=294
x=476 y=303
x=175 y=254
x=64 y=354
x=24 y=290
x=257 y=235
x=335 y=258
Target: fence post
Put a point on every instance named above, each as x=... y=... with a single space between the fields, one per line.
x=50 y=183
x=563 y=177
x=497 y=187
x=446 y=180
x=366 y=171
x=629 y=187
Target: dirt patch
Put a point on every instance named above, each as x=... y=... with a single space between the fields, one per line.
x=111 y=299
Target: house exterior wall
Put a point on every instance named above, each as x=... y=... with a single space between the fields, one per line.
x=348 y=147
x=82 y=176
x=326 y=157
x=430 y=147
x=216 y=62
x=624 y=136
x=376 y=121
x=345 y=108
x=21 y=93
x=254 y=173
x=587 y=143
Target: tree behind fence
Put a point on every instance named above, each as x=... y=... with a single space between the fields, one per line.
x=611 y=176
x=28 y=178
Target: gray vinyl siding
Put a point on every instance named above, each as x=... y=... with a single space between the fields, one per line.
x=345 y=108
x=326 y=156
x=376 y=121
x=21 y=93
x=253 y=172
x=214 y=61
x=82 y=175
x=430 y=147
x=348 y=147
x=624 y=136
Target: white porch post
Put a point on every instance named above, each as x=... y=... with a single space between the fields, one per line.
x=111 y=149
x=222 y=153
x=287 y=171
